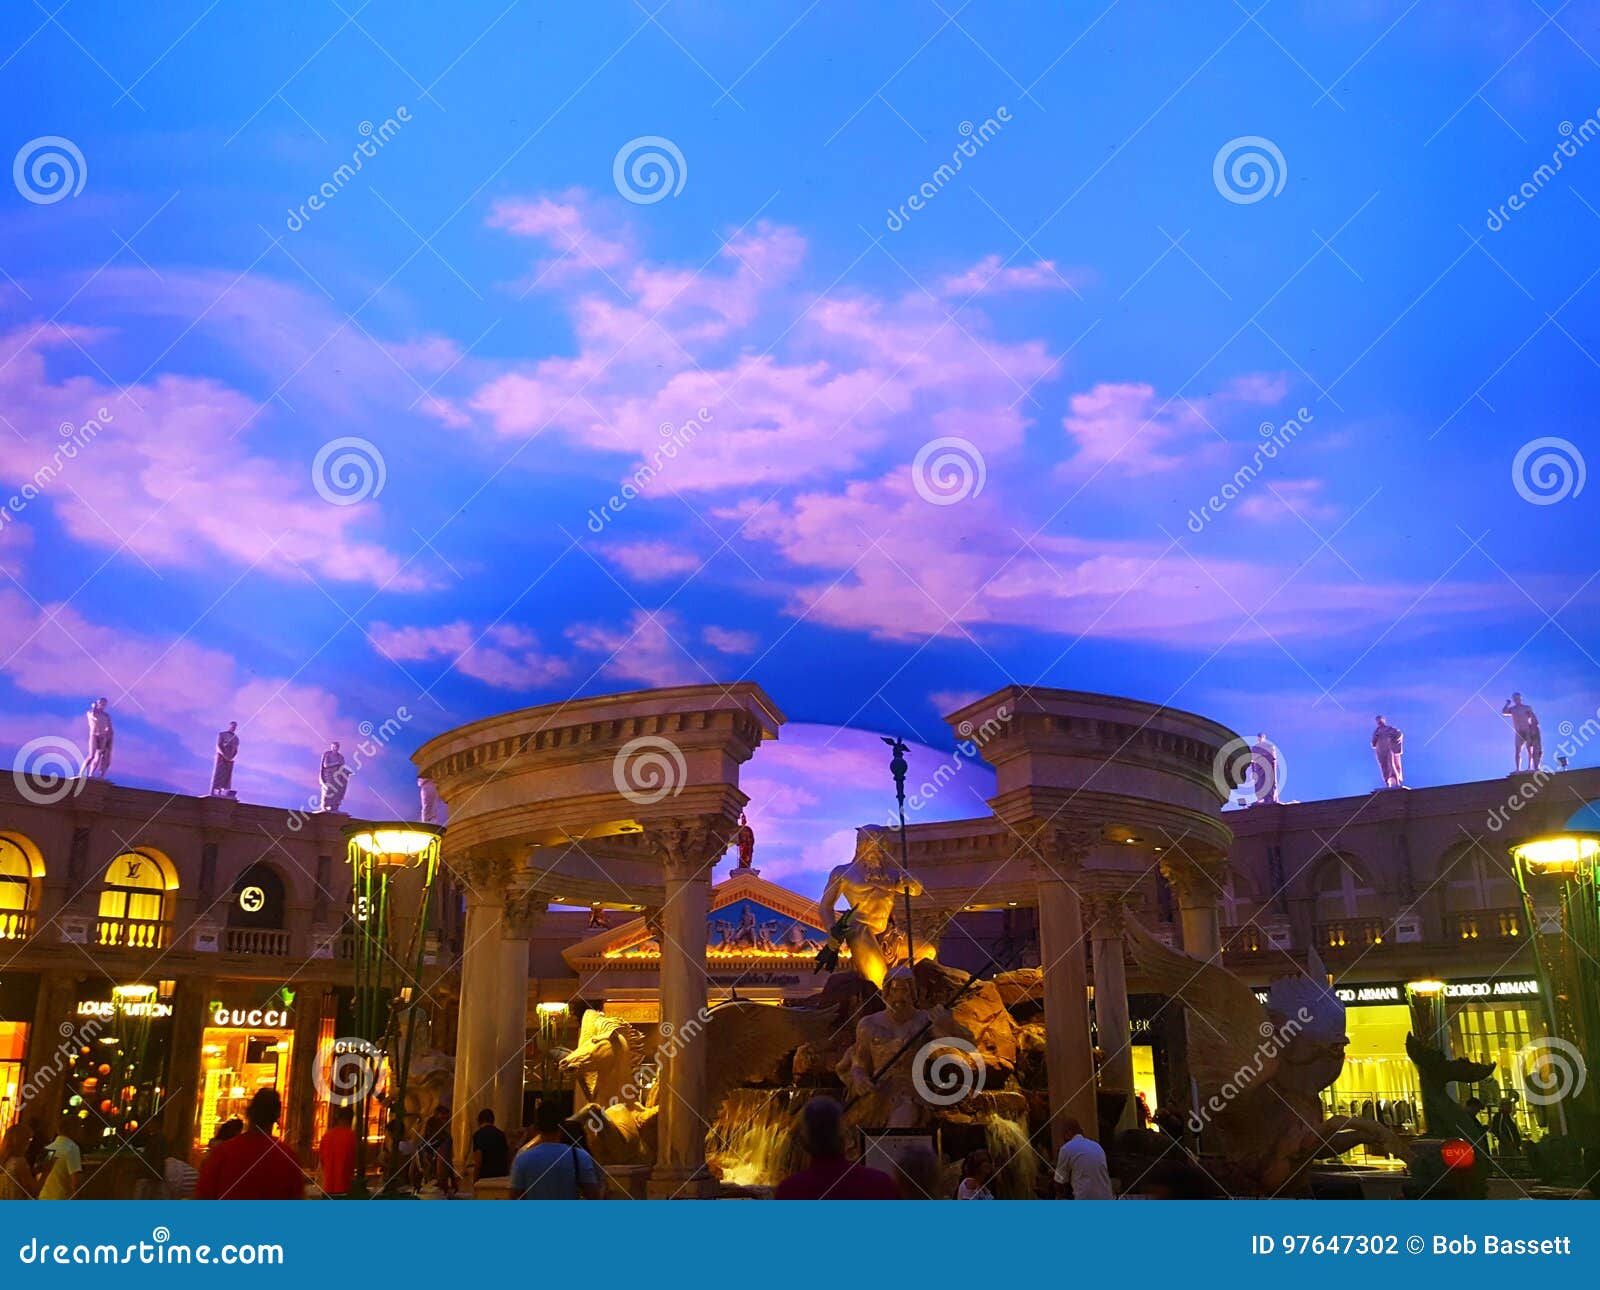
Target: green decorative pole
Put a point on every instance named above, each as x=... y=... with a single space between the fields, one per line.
x=387 y=976
x=898 y=767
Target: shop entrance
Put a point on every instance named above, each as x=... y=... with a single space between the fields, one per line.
x=251 y=1052
x=13 y=1053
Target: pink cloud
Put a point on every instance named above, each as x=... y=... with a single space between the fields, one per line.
x=163 y=471
x=1127 y=426
x=728 y=640
x=879 y=565
x=502 y=655
x=652 y=648
x=988 y=277
x=1271 y=499
x=651 y=561
x=564 y=223
x=853 y=374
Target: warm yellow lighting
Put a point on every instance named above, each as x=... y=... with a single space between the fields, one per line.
x=1426 y=989
x=132 y=991
x=1559 y=855
x=550 y=1007
x=394 y=844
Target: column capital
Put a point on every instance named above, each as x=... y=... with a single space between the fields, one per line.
x=689 y=847
x=484 y=876
x=1056 y=850
x=1105 y=897
x=1196 y=876
x=523 y=912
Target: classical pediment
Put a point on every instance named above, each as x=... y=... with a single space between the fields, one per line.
x=749 y=919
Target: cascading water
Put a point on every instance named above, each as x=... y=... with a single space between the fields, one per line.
x=755 y=1141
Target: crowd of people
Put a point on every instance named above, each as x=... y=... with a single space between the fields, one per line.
x=246 y=1160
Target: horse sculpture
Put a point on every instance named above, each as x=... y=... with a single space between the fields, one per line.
x=1261 y=1070
x=616 y=1088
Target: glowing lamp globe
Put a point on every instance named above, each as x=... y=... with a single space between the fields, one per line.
x=1557 y=855
x=398 y=845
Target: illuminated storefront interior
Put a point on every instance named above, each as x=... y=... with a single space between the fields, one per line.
x=242 y=1051
x=118 y=1070
x=13 y=1052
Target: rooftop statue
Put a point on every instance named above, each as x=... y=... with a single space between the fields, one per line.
x=333 y=779
x=1525 y=733
x=98 y=762
x=1260 y=1071
x=222 y=765
x=744 y=839
x=870 y=884
x=1388 y=745
x=1264 y=771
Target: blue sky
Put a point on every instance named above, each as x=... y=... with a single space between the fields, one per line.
x=1099 y=322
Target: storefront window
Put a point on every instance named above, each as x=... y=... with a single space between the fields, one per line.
x=244 y=1050
x=13 y=1054
x=118 y=1071
x=1378 y=1080
x=1499 y=1033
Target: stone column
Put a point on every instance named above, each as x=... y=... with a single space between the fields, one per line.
x=1197 y=879
x=687 y=850
x=181 y=1109
x=478 y=1016
x=1069 y=1057
x=521 y=915
x=1103 y=908
x=301 y=1113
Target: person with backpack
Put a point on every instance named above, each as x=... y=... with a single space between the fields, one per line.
x=552 y=1168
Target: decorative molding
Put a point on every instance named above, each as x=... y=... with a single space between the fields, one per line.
x=689 y=848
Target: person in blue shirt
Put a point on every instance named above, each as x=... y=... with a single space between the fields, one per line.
x=551 y=1168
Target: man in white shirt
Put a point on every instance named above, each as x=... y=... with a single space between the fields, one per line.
x=1081 y=1172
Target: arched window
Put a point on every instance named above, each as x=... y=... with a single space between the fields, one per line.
x=1343 y=891
x=18 y=875
x=134 y=899
x=258 y=900
x=1481 y=898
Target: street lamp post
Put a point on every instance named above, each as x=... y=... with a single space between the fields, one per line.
x=393 y=867
x=1557 y=875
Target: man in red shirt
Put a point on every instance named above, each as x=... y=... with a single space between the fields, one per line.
x=337 y=1152
x=830 y=1176
x=255 y=1165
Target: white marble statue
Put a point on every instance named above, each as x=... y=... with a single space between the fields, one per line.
x=1388 y=745
x=1264 y=770
x=871 y=884
x=222 y=765
x=334 y=777
x=880 y=1068
x=428 y=791
x=98 y=762
x=1525 y=733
